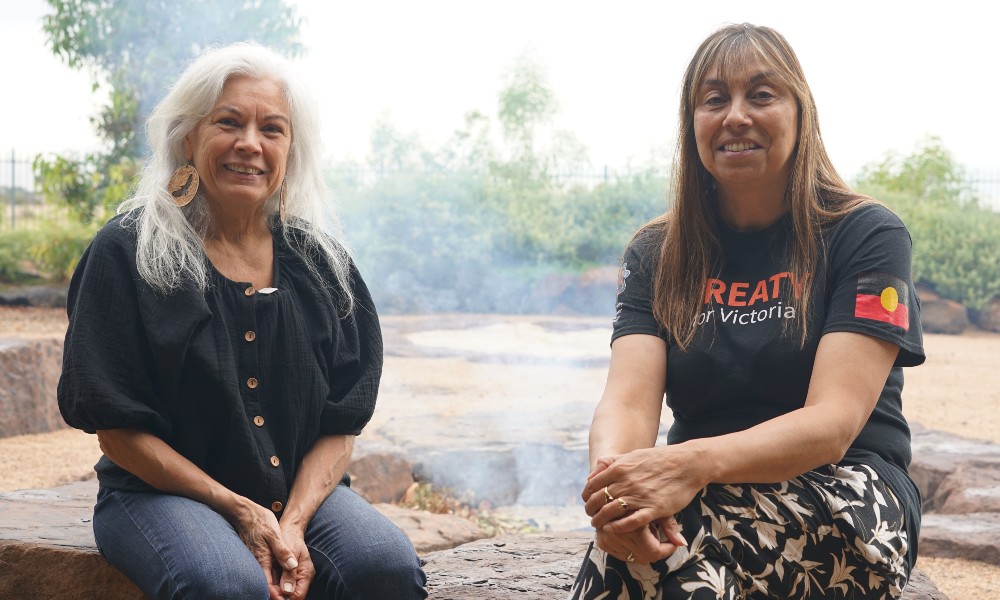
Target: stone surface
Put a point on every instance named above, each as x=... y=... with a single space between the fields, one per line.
x=29 y=372
x=973 y=487
x=47 y=547
x=428 y=531
x=936 y=455
x=938 y=315
x=541 y=567
x=989 y=317
x=973 y=536
x=380 y=476
x=35 y=295
x=524 y=567
x=47 y=543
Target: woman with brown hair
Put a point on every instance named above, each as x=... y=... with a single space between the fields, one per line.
x=774 y=308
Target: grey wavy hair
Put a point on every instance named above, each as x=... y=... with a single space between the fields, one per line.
x=170 y=239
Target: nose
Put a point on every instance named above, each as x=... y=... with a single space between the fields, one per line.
x=738 y=115
x=248 y=141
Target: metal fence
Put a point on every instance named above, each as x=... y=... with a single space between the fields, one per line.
x=21 y=204
x=24 y=207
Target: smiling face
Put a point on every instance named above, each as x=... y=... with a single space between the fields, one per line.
x=746 y=128
x=240 y=147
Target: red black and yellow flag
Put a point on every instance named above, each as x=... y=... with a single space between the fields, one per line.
x=883 y=298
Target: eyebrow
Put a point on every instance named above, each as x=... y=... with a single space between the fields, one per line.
x=236 y=111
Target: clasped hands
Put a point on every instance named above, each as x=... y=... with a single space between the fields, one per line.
x=632 y=499
x=281 y=551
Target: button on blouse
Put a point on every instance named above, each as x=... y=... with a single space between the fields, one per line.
x=180 y=365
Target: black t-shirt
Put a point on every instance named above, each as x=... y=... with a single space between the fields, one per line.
x=745 y=364
x=240 y=381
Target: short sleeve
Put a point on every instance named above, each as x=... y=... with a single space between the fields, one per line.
x=634 y=307
x=870 y=278
x=106 y=380
x=355 y=376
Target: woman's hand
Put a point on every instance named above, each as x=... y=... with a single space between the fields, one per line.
x=294 y=583
x=259 y=530
x=645 y=486
x=644 y=545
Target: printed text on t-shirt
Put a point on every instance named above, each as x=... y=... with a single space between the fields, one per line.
x=730 y=298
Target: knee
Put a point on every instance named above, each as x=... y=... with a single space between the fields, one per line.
x=390 y=570
x=225 y=582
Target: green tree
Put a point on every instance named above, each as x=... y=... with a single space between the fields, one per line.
x=137 y=49
x=929 y=173
x=956 y=242
x=134 y=51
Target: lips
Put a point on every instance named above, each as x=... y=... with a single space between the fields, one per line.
x=244 y=169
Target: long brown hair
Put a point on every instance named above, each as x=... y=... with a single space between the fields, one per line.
x=815 y=194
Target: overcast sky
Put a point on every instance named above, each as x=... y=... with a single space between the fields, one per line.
x=884 y=74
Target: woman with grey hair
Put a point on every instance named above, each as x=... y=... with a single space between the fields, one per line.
x=226 y=351
x=773 y=307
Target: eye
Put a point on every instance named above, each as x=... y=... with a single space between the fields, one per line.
x=273 y=129
x=715 y=99
x=227 y=122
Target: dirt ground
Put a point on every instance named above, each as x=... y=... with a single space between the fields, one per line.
x=957 y=390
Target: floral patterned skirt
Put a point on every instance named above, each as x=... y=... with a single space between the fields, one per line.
x=834 y=532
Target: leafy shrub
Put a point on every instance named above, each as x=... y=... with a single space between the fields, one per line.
x=56 y=249
x=14 y=255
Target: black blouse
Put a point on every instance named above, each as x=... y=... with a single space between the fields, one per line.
x=240 y=381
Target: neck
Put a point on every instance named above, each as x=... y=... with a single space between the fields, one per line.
x=238 y=226
x=746 y=208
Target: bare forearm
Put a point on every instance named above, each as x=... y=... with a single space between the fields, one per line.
x=779 y=449
x=151 y=459
x=318 y=476
x=617 y=429
x=847 y=379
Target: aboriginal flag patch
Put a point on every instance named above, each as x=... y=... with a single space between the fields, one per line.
x=883 y=298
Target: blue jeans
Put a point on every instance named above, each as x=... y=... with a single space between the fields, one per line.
x=173 y=547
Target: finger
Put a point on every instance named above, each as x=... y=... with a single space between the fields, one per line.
x=603 y=463
x=599 y=481
x=671 y=529
x=630 y=522
x=594 y=503
x=287 y=584
x=661 y=551
x=283 y=554
x=612 y=511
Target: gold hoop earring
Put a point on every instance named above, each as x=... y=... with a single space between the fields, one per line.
x=184 y=185
x=283 y=200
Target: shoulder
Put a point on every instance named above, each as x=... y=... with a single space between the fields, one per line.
x=114 y=244
x=646 y=242
x=870 y=215
x=869 y=222
x=119 y=232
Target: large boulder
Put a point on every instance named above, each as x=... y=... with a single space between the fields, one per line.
x=937 y=455
x=430 y=531
x=989 y=317
x=938 y=315
x=973 y=488
x=29 y=373
x=380 y=476
x=47 y=547
x=973 y=536
x=35 y=295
